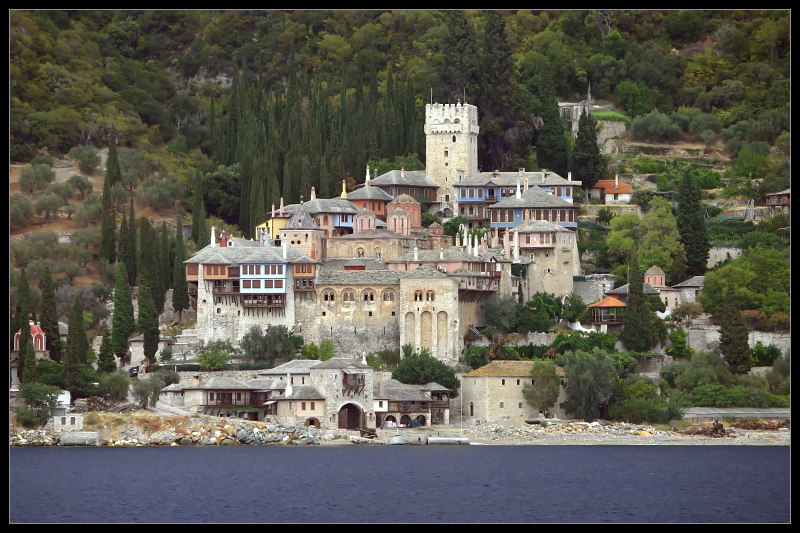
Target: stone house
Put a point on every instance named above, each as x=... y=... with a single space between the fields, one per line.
x=494 y=392
x=611 y=192
x=404 y=405
x=223 y=396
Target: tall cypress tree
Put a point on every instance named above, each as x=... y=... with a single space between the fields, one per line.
x=26 y=371
x=109 y=223
x=637 y=330
x=588 y=164
x=180 y=291
x=733 y=335
x=552 y=151
x=199 y=231
x=132 y=266
x=463 y=65
x=105 y=359
x=147 y=321
x=123 y=323
x=77 y=337
x=22 y=308
x=692 y=225
x=49 y=319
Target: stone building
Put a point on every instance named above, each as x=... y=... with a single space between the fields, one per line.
x=494 y=392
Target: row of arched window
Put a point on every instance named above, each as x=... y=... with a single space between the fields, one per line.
x=366 y=295
x=428 y=296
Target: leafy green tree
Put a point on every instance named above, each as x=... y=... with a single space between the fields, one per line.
x=35 y=177
x=589 y=382
x=326 y=350
x=633 y=97
x=309 y=351
x=575 y=310
x=81 y=184
x=20 y=210
x=105 y=361
x=501 y=312
x=421 y=368
x=87 y=158
x=475 y=356
x=215 y=359
x=123 y=323
x=637 y=328
x=76 y=373
x=49 y=204
x=147 y=390
x=552 y=150
x=762 y=355
x=543 y=394
x=692 y=226
x=115 y=384
x=733 y=335
x=269 y=344
x=41 y=398
x=678 y=346
x=585 y=341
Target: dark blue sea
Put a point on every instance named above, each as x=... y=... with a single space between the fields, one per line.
x=401 y=484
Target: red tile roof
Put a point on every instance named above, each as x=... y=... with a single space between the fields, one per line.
x=608 y=302
x=608 y=185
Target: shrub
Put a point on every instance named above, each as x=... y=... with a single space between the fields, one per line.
x=35 y=177
x=475 y=356
x=168 y=376
x=27 y=417
x=764 y=355
x=86 y=157
x=641 y=410
x=115 y=385
x=20 y=210
x=40 y=398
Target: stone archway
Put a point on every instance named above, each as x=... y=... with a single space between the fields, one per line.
x=350 y=416
x=312 y=422
x=420 y=420
x=405 y=421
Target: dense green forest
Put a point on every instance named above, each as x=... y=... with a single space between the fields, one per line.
x=250 y=106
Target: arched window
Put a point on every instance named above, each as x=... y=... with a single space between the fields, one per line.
x=328 y=295
x=368 y=295
x=348 y=295
x=417 y=296
x=429 y=296
x=388 y=295
x=360 y=252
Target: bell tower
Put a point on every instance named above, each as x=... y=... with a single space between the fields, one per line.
x=451 y=148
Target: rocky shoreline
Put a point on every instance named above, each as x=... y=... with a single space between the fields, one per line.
x=211 y=431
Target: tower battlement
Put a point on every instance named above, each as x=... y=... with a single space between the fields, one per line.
x=451 y=118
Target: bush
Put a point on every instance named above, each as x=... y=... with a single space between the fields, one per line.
x=27 y=417
x=20 y=210
x=645 y=410
x=115 y=385
x=168 y=376
x=86 y=157
x=40 y=398
x=764 y=355
x=475 y=356
x=147 y=390
x=35 y=177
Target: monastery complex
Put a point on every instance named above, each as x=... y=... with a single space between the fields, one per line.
x=362 y=271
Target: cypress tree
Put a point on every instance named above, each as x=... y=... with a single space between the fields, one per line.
x=157 y=278
x=123 y=323
x=463 y=63
x=26 y=371
x=733 y=335
x=637 y=330
x=551 y=142
x=588 y=164
x=147 y=321
x=199 y=231
x=132 y=266
x=49 y=319
x=105 y=359
x=166 y=252
x=77 y=338
x=180 y=291
x=692 y=225
x=109 y=223
x=22 y=307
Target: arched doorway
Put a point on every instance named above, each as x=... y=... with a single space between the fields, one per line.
x=389 y=421
x=420 y=420
x=405 y=421
x=312 y=422
x=349 y=417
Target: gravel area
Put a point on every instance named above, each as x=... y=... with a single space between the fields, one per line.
x=573 y=432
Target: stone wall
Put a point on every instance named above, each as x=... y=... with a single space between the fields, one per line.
x=706 y=337
x=591 y=288
x=717 y=254
x=608 y=133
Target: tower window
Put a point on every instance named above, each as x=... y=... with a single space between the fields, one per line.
x=454 y=138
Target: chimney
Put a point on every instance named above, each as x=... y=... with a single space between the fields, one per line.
x=366 y=181
x=544 y=175
x=416 y=257
x=281 y=210
x=273 y=210
x=196 y=380
x=519 y=192
x=475 y=245
x=313 y=193
x=344 y=189
x=402 y=172
x=213 y=236
x=285 y=249
x=516 y=245
x=441 y=253
x=288 y=391
x=223 y=239
x=526 y=183
x=616 y=181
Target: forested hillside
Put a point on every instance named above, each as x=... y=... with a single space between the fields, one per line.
x=255 y=105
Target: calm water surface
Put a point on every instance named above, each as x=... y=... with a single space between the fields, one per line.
x=408 y=484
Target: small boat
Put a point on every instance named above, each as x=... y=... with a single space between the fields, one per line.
x=397 y=439
x=447 y=440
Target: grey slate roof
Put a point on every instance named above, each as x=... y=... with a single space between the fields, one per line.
x=358 y=277
x=323 y=205
x=300 y=219
x=452 y=253
x=533 y=197
x=369 y=193
x=423 y=272
x=302 y=392
x=538 y=226
x=251 y=253
x=372 y=234
x=647 y=289
x=341 y=362
x=404 y=392
x=295 y=366
x=694 y=281
x=409 y=178
x=509 y=179
x=339 y=263
x=268 y=384
x=220 y=383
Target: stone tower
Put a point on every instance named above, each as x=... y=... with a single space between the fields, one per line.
x=451 y=148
